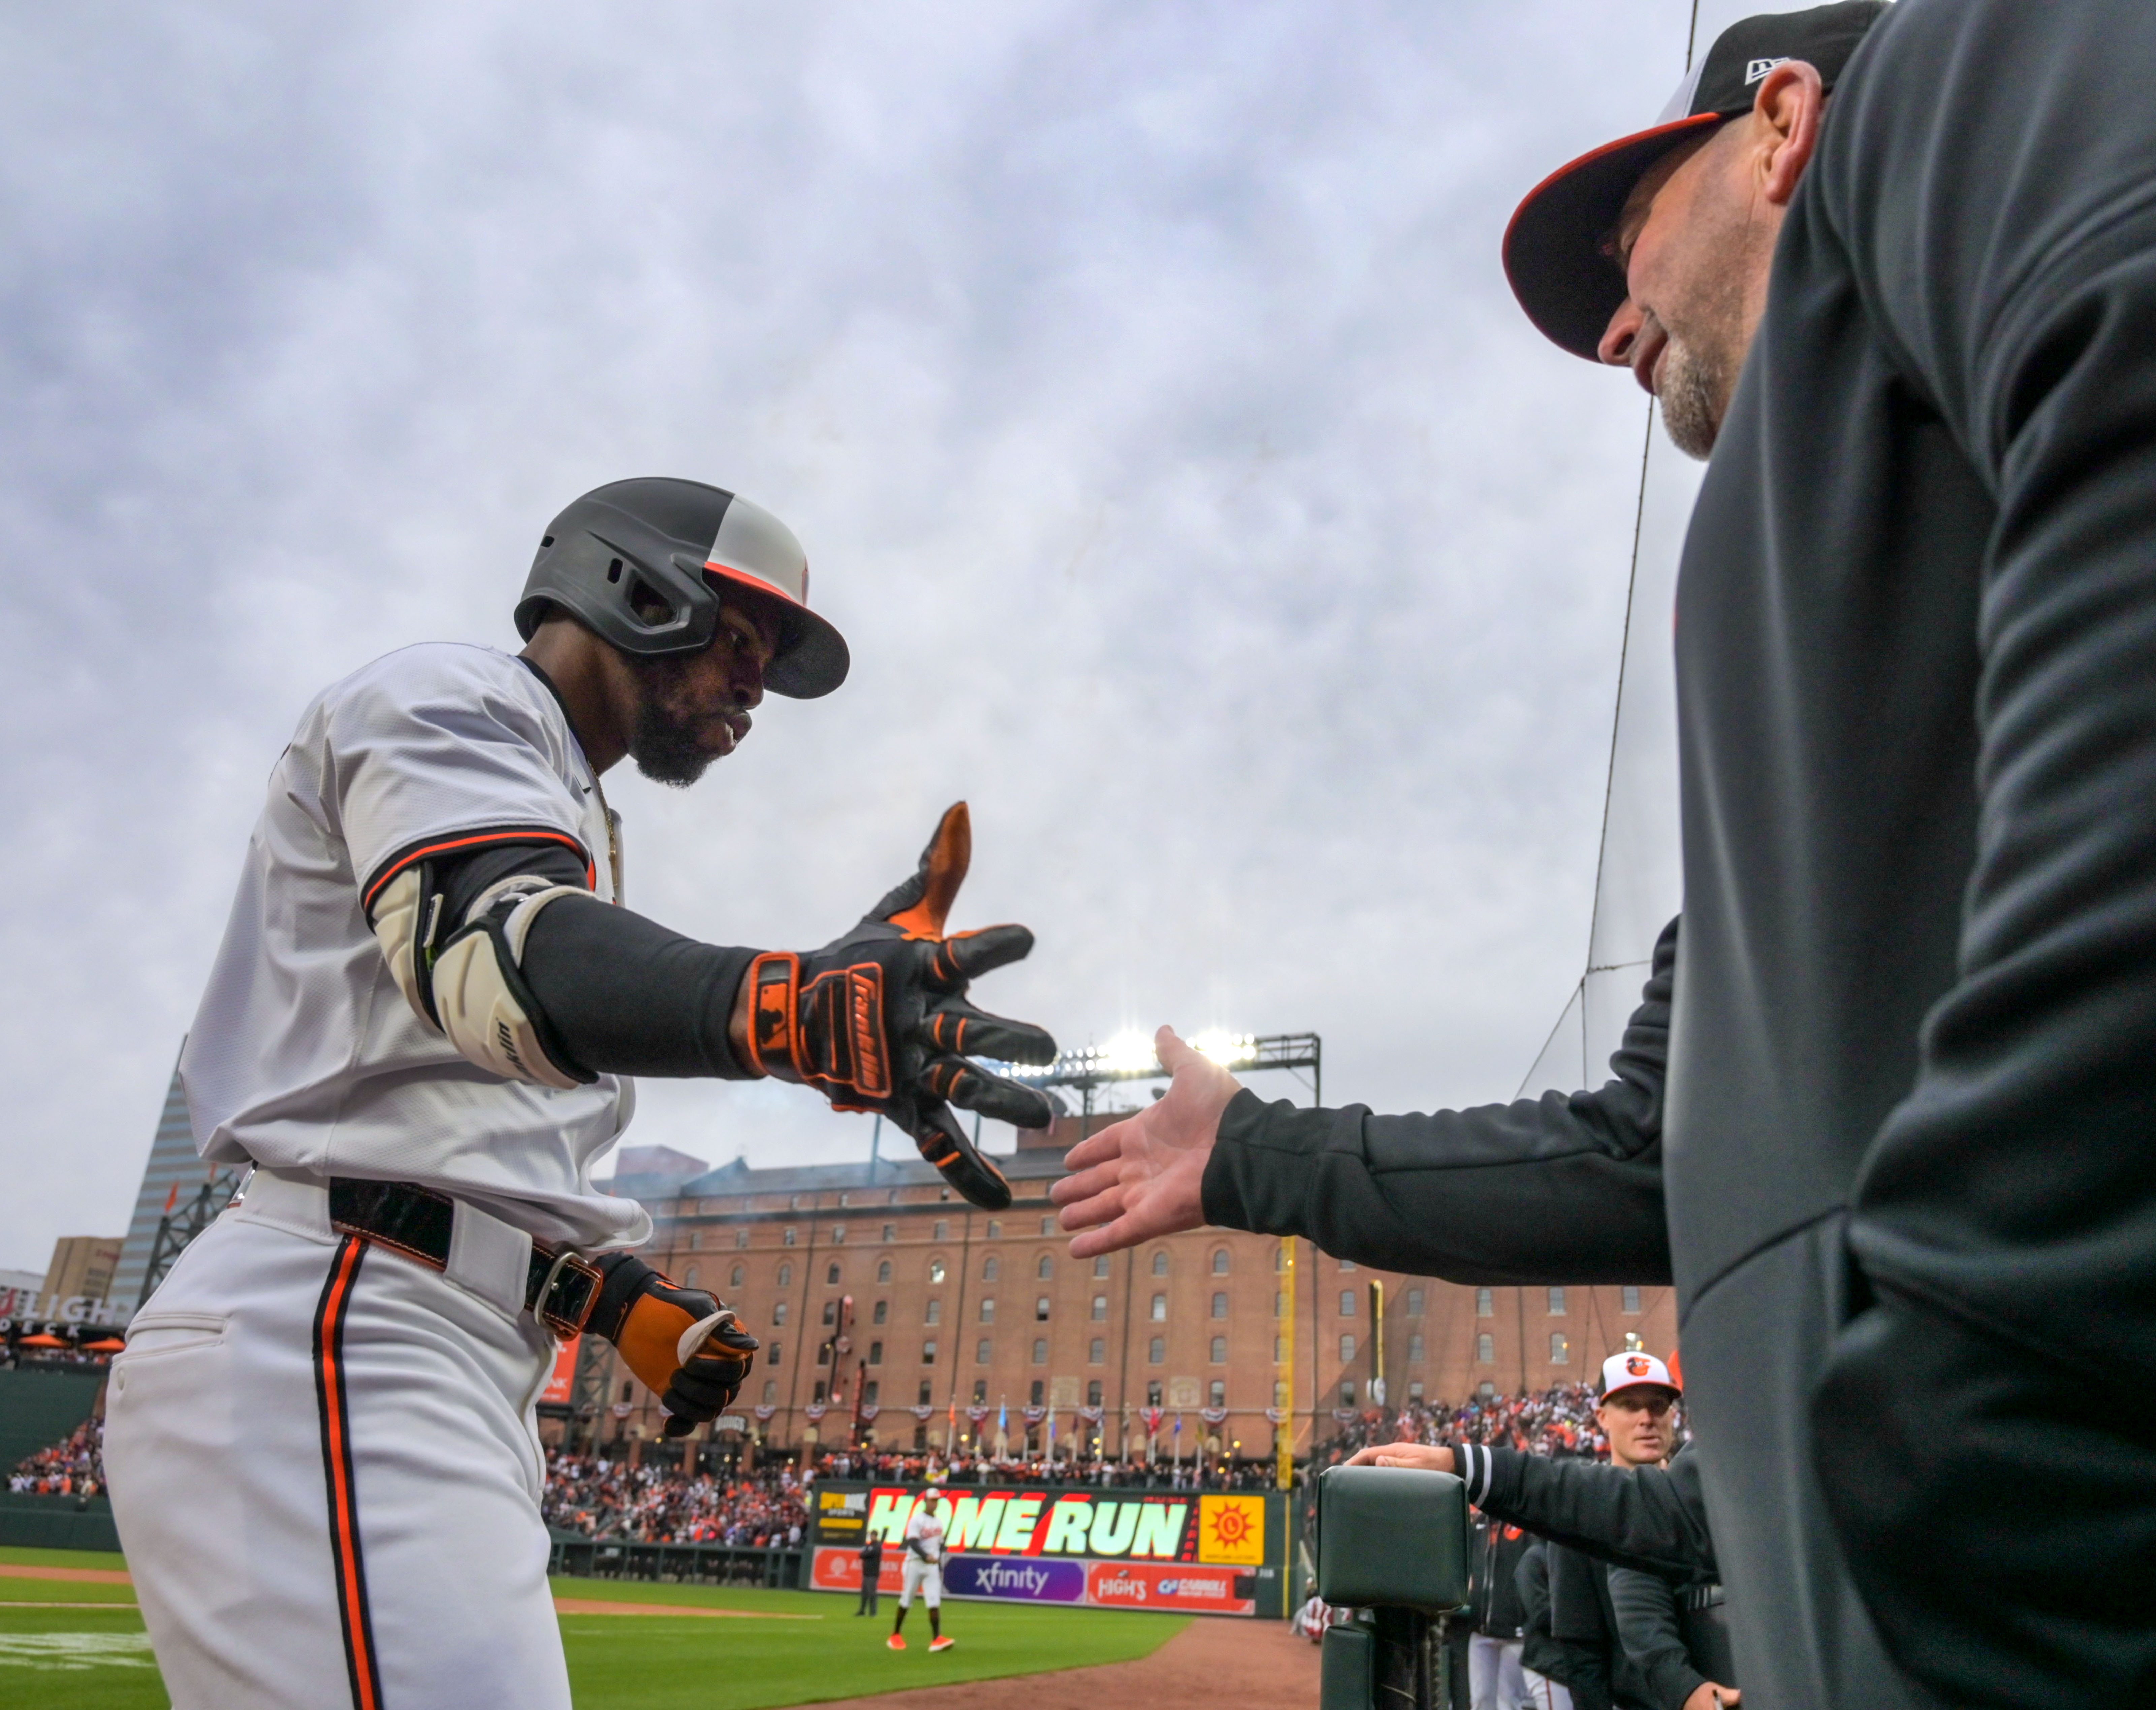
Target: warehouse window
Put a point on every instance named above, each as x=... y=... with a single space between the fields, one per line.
x=838 y=1230
x=882 y=1312
x=1631 y=1295
x=1219 y=1261
x=1346 y=1264
x=1280 y=1258
x=1217 y=1391
x=935 y=1312
x=1040 y=1309
x=1485 y=1348
x=995 y=1230
x=830 y=1312
x=689 y=1277
x=1556 y=1303
x=883 y=1271
x=981 y=1351
x=1560 y=1350
x=1048 y=1225
x=869 y=1391
x=1414 y=1303
x=981 y=1386
x=786 y=1277
x=1099 y=1307
x=1485 y=1304
x=1096 y=1353
x=1219 y=1350
x=1039 y=1352
x=1347 y=1392
x=1100 y=1265
x=1035 y=1395
x=927 y=1392
x=778 y=1313
x=1045 y=1268
x=1160 y=1263
x=928 y=1353
x=735 y=1277
x=831 y=1273
x=1347 y=1302
x=1152 y=1393
x=1156 y=1350
x=823 y=1389
x=1279 y=1350
x=1220 y=1306
x=935 y=1269
x=1160 y=1309
x=786 y=1239
x=990 y=1271
x=770 y=1389
x=1093 y=1393
x=1347 y=1349
x=741 y=1237
x=891 y=1231
x=988 y=1310
x=1414 y=1350
x=774 y=1360
x=943 y=1230
x=1414 y=1392
x=875 y=1353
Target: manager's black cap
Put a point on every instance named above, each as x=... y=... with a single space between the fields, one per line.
x=1557 y=247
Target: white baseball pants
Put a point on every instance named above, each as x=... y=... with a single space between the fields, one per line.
x=1544 y=1694
x=1494 y=1679
x=924 y=1578
x=326 y=1475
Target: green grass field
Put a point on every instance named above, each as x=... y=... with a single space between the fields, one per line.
x=72 y=1652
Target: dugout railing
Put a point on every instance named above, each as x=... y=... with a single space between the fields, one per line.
x=775 y=1568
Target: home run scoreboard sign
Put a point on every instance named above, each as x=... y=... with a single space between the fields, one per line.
x=1191 y=1552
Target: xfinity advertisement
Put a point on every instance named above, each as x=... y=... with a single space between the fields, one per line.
x=1186 y=1551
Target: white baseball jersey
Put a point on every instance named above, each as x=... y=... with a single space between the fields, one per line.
x=305 y=1055
x=922 y=1525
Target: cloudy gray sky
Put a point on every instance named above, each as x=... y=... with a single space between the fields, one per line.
x=1141 y=378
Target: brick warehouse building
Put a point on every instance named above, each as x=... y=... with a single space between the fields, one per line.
x=951 y=1304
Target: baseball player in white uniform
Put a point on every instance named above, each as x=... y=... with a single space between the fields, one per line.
x=922 y=1573
x=419 y=1031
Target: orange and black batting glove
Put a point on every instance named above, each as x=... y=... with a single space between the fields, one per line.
x=878 y=1020
x=684 y=1346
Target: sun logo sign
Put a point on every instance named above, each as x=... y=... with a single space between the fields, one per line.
x=1231 y=1529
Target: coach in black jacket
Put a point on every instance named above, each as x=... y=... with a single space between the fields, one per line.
x=1910 y=1184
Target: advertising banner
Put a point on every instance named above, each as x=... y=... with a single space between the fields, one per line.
x=562 y=1384
x=1196 y=1591
x=1212 y=1552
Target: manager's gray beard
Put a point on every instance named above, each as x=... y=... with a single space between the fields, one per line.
x=1695 y=392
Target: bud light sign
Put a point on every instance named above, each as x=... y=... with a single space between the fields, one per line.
x=1027 y=1579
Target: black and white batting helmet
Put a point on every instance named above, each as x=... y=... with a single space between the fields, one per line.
x=645 y=562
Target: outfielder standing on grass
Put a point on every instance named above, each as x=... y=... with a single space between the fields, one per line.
x=324 y=1460
x=922 y=1572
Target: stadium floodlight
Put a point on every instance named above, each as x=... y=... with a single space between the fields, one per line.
x=1230 y=1050
x=1130 y=1056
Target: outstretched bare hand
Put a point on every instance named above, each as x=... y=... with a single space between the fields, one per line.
x=1142 y=1176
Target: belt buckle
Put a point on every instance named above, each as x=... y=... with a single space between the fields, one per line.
x=567 y=1295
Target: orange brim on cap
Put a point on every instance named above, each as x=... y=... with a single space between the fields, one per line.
x=1556 y=249
x=812 y=658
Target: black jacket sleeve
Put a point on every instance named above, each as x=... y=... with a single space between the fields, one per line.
x=1983 y=1405
x=1538 y=1651
x=1645 y=1605
x=1653 y=1518
x=1565 y=1187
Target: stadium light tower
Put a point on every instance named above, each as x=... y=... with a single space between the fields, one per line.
x=1129 y=1056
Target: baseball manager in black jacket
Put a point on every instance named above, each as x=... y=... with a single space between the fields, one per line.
x=1908 y=1153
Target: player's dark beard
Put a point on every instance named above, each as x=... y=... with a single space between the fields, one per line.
x=665 y=743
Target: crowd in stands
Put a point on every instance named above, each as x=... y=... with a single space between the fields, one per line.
x=603 y=1497
x=1556 y=1421
x=72 y=1467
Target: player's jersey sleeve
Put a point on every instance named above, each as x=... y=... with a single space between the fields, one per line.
x=439 y=750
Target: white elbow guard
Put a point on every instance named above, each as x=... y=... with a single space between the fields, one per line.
x=473 y=988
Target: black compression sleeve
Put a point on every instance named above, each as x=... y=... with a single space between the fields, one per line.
x=628 y=997
x=461 y=881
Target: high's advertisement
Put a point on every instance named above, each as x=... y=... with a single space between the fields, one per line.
x=1190 y=1552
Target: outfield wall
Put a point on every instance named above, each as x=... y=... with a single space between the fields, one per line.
x=1189 y=1552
